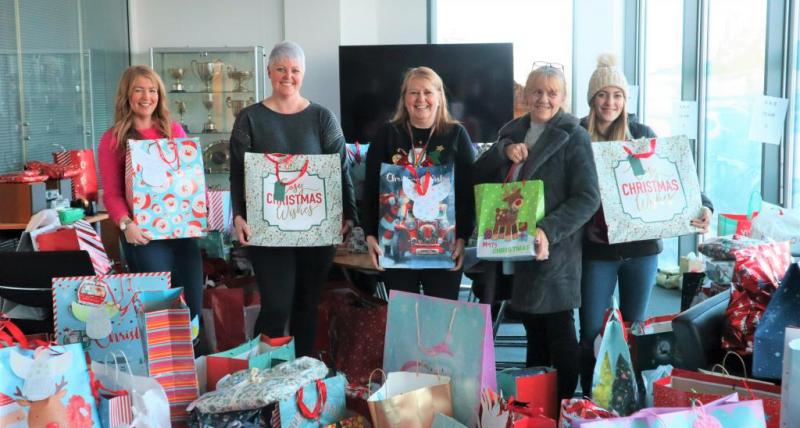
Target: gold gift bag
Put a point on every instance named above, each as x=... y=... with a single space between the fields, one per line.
x=410 y=400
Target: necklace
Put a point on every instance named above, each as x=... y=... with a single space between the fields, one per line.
x=418 y=153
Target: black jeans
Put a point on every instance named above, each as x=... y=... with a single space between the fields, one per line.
x=552 y=342
x=180 y=257
x=435 y=282
x=290 y=281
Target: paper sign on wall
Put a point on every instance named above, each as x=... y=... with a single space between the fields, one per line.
x=684 y=119
x=767 y=119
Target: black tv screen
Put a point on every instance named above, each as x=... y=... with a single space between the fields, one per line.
x=478 y=79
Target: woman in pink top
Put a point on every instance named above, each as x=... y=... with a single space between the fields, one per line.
x=141 y=114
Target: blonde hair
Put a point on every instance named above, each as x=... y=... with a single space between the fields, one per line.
x=443 y=118
x=549 y=74
x=123 y=115
x=617 y=130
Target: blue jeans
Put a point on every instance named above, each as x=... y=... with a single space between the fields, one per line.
x=636 y=277
x=180 y=257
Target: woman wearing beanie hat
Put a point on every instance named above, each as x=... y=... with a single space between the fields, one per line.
x=548 y=144
x=631 y=264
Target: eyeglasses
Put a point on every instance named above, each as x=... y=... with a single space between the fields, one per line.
x=540 y=64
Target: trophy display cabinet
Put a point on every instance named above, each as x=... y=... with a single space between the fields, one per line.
x=207 y=87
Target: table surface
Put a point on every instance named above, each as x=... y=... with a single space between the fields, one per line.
x=21 y=226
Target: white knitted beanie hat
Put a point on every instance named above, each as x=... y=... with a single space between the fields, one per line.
x=606 y=74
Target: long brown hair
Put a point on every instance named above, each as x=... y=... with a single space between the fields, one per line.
x=123 y=115
x=617 y=130
x=443 y=118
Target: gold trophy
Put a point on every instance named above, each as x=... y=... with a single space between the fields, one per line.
x=207 y=71
x=181 y=110
x=240 y=76
x=177 y=74
x=208 y=103
x=236 y=106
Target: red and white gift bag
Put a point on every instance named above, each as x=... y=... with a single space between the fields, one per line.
x=84 y=185
x=79 y=235
x=219 y=210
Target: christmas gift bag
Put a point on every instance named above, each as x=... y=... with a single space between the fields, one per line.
x=293 y=200
x=356 y=163
x=262 y=352
x=47 y=386
x=219 y=210
x=442 y=336
x=535 y=386
x=782 y=311
x=507 y=217
x=416 y=228
x=167 y=340
x=165 y=186
x=648 y=187
x=79 y=235
x=614 y=384
x=790 y=392
x=683 y=387
x=99 y=312
x=84 y=185
x=317 y=404
x=739 y=224
x=232 y=312
x=411 y=399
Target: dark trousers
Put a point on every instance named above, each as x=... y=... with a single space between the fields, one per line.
x=290 y=281
x=552 y=342
x=435 y=282
x=180 y=257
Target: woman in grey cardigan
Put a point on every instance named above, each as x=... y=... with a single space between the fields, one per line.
x=549 y=145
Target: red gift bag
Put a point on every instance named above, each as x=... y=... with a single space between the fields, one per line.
x=534 y=386
x=63 y=239
x=684 y=386
x=232 y=313
x=79 y=235
x=84 y=185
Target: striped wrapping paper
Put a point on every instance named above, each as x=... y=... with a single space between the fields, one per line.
x=89 y=241
x=84 y=185
x=219 y=210
x=170 y=358
x=120 y=411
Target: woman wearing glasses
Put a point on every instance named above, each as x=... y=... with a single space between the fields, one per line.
x=632 y=264
x=548 y=144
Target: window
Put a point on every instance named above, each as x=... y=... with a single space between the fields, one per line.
x=662 y=78
x=734 y=75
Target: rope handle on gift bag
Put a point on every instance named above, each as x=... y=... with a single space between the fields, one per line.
x=383 y=375
x=284 y=159
x=511 y=171
x=422 y=189
x=322 y=397
x=439 y=347
x=174 y=163
x=355 y=154
x=642 y=155
x=727 y=373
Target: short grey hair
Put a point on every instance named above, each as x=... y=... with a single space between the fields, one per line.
x=287 y=50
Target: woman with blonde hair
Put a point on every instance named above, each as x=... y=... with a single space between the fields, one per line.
x=548 y=144
x=422 y=133
x=141 y=113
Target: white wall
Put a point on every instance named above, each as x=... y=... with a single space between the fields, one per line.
x=319 y=26
x=599 y=27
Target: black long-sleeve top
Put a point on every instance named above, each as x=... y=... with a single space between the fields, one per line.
x=393 y=144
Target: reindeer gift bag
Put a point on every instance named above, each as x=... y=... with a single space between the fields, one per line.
x=417 y=224
x=46 y=387
x=293 y=200
x=165 y=187
x=507 y=216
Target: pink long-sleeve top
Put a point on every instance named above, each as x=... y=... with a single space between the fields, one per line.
x=112 y=170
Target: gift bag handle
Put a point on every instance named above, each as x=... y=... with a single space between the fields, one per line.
x=283 y=159
x=754 y=204
x=322 y=397
x=422 y=189
x=10 y=334
x=642 y=155
x=511 y=171
x=175 y=163
x=727 y=373
x=447 y=336
x=369 y=381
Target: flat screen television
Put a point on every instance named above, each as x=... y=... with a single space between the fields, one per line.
x=478 y=79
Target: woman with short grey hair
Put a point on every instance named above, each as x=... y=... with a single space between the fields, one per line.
x=289 y=278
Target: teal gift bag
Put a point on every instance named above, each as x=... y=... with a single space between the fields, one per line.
x=739 y=224
x=48 y=386
x=317 y=404
x=262 y=353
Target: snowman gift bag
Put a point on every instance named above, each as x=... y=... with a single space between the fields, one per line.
x=165 y=187
x=99 y=313
x=417 y=225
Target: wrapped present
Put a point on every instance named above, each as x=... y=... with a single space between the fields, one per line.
x=782 y=311
x=720 y=271
x=165 y=186
x=648 y=188
x=507 y=216
x=722 y=247
x=84 y=184
x=577 y=411
x=219 y=210
x=761 y=266
x=453 y=338
x=262 y=352
x=99 y=312
x=417 y=208
x=293 y=200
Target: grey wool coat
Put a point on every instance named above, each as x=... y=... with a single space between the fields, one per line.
x=562 y=158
